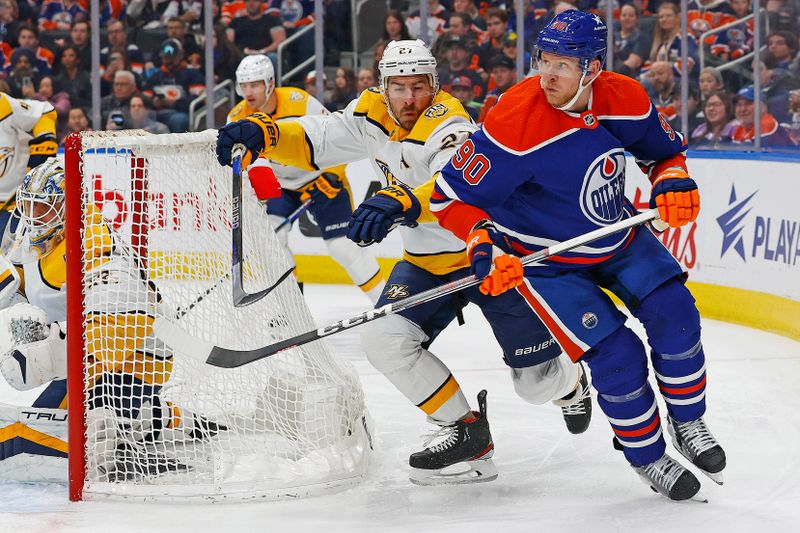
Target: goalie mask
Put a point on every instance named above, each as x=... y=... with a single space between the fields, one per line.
x=406 y=58
x=256 y=68
x=40 y=208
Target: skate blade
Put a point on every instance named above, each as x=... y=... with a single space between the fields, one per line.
x=698 y=497
x=715 y=477
x=479 y=471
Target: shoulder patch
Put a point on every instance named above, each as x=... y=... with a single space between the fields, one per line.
x=296 y=96
x=374 y=90
x=436 y=111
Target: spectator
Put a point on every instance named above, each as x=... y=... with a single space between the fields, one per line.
x=631 y=47
x=438 y=16
x=173 y=87
x=226 y=55
x=59 y=100
x=139 y=117
x=176 y=29
x=458 y=64
x=496 y=27
x=61 y=14
x=718 y=125
x=710 y=82
x=667 y=39
x=694 y=113
x=79 y=38
x=394 y=27
x=460 y=26
x=794 y=109
x=530 y=25
x=124 y=86
x=461 y=87
x=344 y=89
x=311 y=87
x=29 y=39
x=510 y=51
x=504 y=73
x=117 y=60
x=23 y=77
x=775 y=86
x=258 y=33
x=781 y=50
x=74 y=81
x=662 y=88
x=366 y=79
x=186 y=11
x=468 y=7
x=77 y=121
x=118 y=39
x=9 y=28
x=772 y=134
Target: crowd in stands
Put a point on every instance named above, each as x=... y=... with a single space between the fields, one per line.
x=44 y=53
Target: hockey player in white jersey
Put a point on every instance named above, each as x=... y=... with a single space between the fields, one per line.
x=327 y=189
x=33 y=336
x=27 y=138
x=409 y=129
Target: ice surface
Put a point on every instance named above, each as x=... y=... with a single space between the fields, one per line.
x=549 y=480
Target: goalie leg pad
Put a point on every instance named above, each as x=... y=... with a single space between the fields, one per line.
x=551 y=380
x=30 y=365
x=33 y=444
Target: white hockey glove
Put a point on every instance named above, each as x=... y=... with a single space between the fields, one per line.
x=32 y=352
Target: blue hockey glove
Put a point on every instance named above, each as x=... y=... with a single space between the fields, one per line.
x=492 y=259
x=322 y=189
x=257 y=132
x=375 y=218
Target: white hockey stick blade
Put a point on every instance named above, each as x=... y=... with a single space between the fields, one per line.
x=178 y=339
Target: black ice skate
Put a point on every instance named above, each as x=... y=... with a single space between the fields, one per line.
x=696 y=443
x=457 y=453
x=576 y=407
x=137 y=462
x=669 y=478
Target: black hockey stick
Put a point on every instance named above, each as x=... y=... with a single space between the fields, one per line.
x=173 y=335
x=241 y=298
x=295 y=214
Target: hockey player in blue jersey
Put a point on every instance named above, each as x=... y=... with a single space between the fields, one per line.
x=549 y=165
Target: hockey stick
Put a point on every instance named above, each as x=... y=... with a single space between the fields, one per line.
x=295 y=214
x=173 y=335
x=241 y=298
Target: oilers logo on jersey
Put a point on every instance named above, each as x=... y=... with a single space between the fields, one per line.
x=603 y=190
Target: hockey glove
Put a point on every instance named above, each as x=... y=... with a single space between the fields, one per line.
x=676 y=196
x=325 y=187
x=491 y=259
x=257 y=132
x=376 y=217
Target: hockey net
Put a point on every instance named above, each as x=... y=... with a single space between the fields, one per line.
x=149 y=235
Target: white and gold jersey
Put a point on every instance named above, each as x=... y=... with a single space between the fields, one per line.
x=366 y=130
x=292 y=103
x=22 y=121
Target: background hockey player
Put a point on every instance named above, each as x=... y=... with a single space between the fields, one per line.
x=555 y=144
x=329 y=191
x=27 y=138
x=33 y=339
x=409 y=130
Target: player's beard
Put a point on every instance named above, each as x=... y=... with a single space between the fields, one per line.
x=556 y=100
x=407 y=121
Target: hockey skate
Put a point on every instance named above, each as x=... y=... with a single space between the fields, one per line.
x=457 y=453
x=696 y=443
x=669 y=478
x=576 y=407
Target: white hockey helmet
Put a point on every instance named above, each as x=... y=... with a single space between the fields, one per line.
x=256 y=68
x=40 y=207
x=407 y=58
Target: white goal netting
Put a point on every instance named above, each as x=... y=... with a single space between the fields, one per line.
x=160 y=422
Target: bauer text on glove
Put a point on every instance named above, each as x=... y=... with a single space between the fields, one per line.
x=376 y=217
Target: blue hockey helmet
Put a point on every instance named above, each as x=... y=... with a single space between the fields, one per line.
x=575 y=33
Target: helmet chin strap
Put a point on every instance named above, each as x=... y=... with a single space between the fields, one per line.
x=579 y=92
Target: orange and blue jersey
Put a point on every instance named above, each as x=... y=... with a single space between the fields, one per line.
x=544 y=176
x=55 y=13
